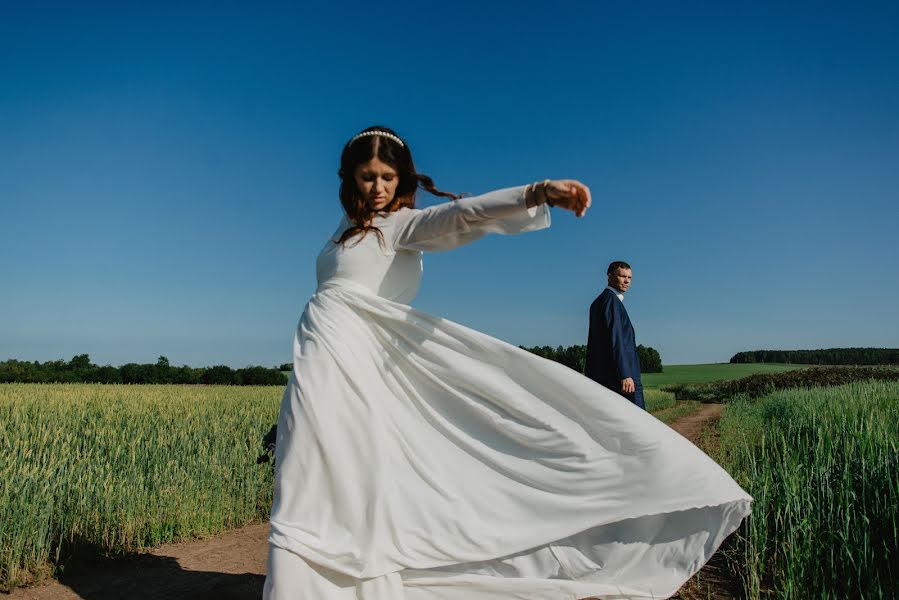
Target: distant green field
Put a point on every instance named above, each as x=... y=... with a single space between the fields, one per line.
x=713 y=372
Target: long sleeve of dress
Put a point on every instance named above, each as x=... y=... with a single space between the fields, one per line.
x=452 y=224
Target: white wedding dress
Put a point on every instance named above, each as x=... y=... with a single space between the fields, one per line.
x=419 y=459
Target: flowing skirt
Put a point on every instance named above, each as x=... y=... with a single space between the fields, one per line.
x=420 y=459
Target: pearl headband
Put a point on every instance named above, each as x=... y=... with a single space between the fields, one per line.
x=379 y=133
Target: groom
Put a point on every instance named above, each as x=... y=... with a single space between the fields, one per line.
x=611 y=344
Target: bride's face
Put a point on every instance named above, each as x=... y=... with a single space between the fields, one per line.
x=376 y=182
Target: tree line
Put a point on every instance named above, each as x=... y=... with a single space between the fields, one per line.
x=828 y=356
x=81 y=370
x=575 y=357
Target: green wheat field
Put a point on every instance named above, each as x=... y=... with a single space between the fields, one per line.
x=117 y=468
x=823 y=467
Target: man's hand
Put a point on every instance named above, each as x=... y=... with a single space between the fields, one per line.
x=627 y=385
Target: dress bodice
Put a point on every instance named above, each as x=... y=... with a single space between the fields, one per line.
x=385 y=271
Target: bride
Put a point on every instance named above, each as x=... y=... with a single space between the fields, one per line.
x=419 y=459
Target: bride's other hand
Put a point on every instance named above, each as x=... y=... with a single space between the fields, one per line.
x=568 y=194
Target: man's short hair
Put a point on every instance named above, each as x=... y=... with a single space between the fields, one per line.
x=618 y=264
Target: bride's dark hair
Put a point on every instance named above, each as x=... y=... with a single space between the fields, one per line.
x=360 y=150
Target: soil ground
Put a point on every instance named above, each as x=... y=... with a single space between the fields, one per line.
x=716 y=580
x=231 y=566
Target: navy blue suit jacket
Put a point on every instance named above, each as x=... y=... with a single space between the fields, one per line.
x=612 y=347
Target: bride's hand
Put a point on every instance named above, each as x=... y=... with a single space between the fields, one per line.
x=568 y=194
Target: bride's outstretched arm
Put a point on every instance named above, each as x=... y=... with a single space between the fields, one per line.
x=509 y=211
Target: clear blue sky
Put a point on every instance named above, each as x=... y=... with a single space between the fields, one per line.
x=168 y=170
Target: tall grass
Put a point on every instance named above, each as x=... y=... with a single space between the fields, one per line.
x=823 y=467
x=121 y=467
x=656 y=400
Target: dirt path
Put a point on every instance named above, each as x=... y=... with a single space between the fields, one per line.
x=691 y=426
x=714 y=581
x=231 y=566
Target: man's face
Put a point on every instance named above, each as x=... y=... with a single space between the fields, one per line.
x=620 y=279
